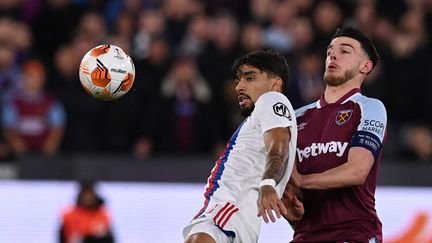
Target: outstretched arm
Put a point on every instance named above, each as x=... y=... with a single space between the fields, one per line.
x=277 y=143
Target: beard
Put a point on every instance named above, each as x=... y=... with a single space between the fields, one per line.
x=246 y=111
x=333 y=80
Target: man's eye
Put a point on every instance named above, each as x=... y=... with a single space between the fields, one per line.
x=345 y=51
x=249 y=78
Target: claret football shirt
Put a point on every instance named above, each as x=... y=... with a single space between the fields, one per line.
x=326 y=132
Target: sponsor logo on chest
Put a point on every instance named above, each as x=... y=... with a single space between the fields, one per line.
x=316 y=149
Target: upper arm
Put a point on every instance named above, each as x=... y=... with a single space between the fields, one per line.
x=371 y=130
x=367 y=142
x=361 y=161
x=277 y=140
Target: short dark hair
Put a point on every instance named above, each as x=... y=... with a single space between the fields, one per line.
x=269 y=61
x=365 y=42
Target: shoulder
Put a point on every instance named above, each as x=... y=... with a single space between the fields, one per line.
x=274 y=100
x=271 y=97
x=369 y=105
x=69 y=212
x=300 y=111
x=273 y=103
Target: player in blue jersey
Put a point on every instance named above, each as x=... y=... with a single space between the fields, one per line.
x=340 y=142
x=250 y=176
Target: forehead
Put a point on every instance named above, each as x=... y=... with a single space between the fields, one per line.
x=247 y=69
x=345 y=41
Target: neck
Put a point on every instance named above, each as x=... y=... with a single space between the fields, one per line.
x=334 y=93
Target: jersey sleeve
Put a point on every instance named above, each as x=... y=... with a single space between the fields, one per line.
x=56 y=115
x=272 y=110
x=9 y=115
x=371 y=130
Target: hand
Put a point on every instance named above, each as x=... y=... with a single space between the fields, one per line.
x=268 y=201
x=143 y=148
x=296 y=178
x=50 y=148
x=292 y=203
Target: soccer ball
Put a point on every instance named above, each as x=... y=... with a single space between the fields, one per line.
x=106 y=72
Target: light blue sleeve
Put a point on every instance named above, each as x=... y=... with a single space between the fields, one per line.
x=9 y=116
x=374 y=118
x=372 y=128
x=57 y=116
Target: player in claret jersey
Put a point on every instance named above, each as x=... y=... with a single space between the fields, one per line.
x=340 y=141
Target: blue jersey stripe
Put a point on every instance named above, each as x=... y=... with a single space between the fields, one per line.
x=217 y=171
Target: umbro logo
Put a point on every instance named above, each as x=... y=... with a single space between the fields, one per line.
x=281 y=109
x=301 y=126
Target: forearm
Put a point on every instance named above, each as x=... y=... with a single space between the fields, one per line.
x=55 y=136
x=276 y=166
x=338 y=177
x=351 y=173
x=277 y=141
x=53 y=141
x=15 y=142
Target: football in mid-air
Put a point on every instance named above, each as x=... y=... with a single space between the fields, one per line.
x=106 y=72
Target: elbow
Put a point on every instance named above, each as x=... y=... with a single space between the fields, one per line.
x=359 y=178
x=358 y=182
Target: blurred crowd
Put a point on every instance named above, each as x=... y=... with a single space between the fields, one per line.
x=183 y=99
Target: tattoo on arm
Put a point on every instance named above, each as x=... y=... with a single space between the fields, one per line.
x=275 y=166
x=277 y=143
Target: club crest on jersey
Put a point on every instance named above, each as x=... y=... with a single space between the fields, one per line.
x=343 y=116
x=281 y=109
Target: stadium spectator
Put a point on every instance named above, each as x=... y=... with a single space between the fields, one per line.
x=409 y=51
x=82 y=130
x=149 y=74
x=251 y=38
x=278 y=34
x=87 y=221
x=185 y=110
x=9 y=67
x=33 y=120
x=55 y=25
x=215 y=63
x=326 y=17
x=306 y=83
x=196 y=37
x=151 y=24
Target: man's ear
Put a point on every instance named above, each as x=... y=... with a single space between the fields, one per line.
x=366 y=67
x=277 y=84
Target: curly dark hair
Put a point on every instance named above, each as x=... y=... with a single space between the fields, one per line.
x=269 y=61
